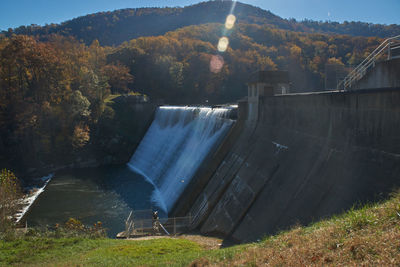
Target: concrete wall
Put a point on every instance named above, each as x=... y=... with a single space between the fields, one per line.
x=208 y=167
x=307 y=156
x=384 y=75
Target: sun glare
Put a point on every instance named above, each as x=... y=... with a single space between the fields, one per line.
x=223 y=44
x=217 y=61
x=216 y=64
x=230 y=21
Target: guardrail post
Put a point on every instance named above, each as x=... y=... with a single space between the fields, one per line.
x=174 y=225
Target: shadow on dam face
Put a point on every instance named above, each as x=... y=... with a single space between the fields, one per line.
x=306 y=157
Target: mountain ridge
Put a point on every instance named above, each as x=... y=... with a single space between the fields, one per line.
x=115 y=27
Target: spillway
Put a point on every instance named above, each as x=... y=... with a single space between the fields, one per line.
x=175 y=145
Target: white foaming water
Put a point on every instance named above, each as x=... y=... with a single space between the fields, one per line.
x=30 y=199
x=175 y=145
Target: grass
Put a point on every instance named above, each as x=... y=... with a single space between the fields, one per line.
x=367 y=236
x=98 y=252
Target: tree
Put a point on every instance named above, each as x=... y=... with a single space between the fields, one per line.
x=81 y=136
x=119 y=77
x=10 y=192
x=79 y=105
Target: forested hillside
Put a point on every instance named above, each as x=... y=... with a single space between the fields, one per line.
x=52 y=95
x=176 y=66
x=113 y=28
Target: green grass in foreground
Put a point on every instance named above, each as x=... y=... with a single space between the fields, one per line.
x=366 y=236
x=98 y=252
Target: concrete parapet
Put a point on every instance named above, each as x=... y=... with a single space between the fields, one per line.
x=385 y=74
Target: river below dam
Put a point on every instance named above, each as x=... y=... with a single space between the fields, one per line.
x=105 y=194
x=173 y=149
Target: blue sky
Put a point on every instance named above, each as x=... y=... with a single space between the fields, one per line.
x=14 y=13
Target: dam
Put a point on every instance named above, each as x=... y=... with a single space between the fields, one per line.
x=306 y=157
x=297 y=158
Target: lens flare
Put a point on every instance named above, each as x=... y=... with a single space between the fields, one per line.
x=230 y=21
x=233 y=7
x=223 y=44
x=216 y=63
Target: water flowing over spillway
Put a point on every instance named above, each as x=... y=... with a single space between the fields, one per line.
x=175 y=145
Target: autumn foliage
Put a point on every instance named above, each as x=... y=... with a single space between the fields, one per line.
x=53 y=90
x=51 y=94
x=10 y=192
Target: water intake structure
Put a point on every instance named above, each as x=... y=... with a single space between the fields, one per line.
x=174 y=147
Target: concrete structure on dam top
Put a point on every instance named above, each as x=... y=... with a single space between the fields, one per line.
x=297 y=158
x=265 y=83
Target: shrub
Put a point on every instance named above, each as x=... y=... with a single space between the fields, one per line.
x=10 y=193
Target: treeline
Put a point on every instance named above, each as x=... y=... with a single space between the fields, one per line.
x=51 y=95
x=176 y=66
x=113 y=28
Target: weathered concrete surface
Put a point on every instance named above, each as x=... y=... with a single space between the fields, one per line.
x=221 y=178
x=385 y=74
x=208 y=167
x=307 y=156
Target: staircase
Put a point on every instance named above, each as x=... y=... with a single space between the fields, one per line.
x=390 y=46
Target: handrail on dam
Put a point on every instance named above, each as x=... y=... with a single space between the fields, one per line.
x=358 y=72
x=139 y=224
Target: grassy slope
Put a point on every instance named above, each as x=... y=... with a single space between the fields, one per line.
x=369 y=236
x=366 y=236
x=100 y=252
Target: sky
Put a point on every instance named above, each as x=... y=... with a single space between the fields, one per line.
x=14 y=13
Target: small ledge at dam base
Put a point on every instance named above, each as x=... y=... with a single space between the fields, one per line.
x=296 y=159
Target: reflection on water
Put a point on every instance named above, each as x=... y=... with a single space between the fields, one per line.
x=105 y=194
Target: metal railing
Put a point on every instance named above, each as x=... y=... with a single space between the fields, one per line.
x=140 y=223
x=167 y=226
x=358 y=72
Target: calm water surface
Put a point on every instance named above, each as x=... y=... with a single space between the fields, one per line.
x=105 y=194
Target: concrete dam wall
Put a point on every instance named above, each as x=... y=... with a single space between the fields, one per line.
x=385 y=74
x=301 y=158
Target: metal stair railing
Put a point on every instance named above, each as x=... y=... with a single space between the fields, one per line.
x=141 y=223
x=358 y=72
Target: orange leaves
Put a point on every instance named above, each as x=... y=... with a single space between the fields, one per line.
x=81 y=136
x=9 y=184
x=295 y=51
x=119 y=77
x=10 y=192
